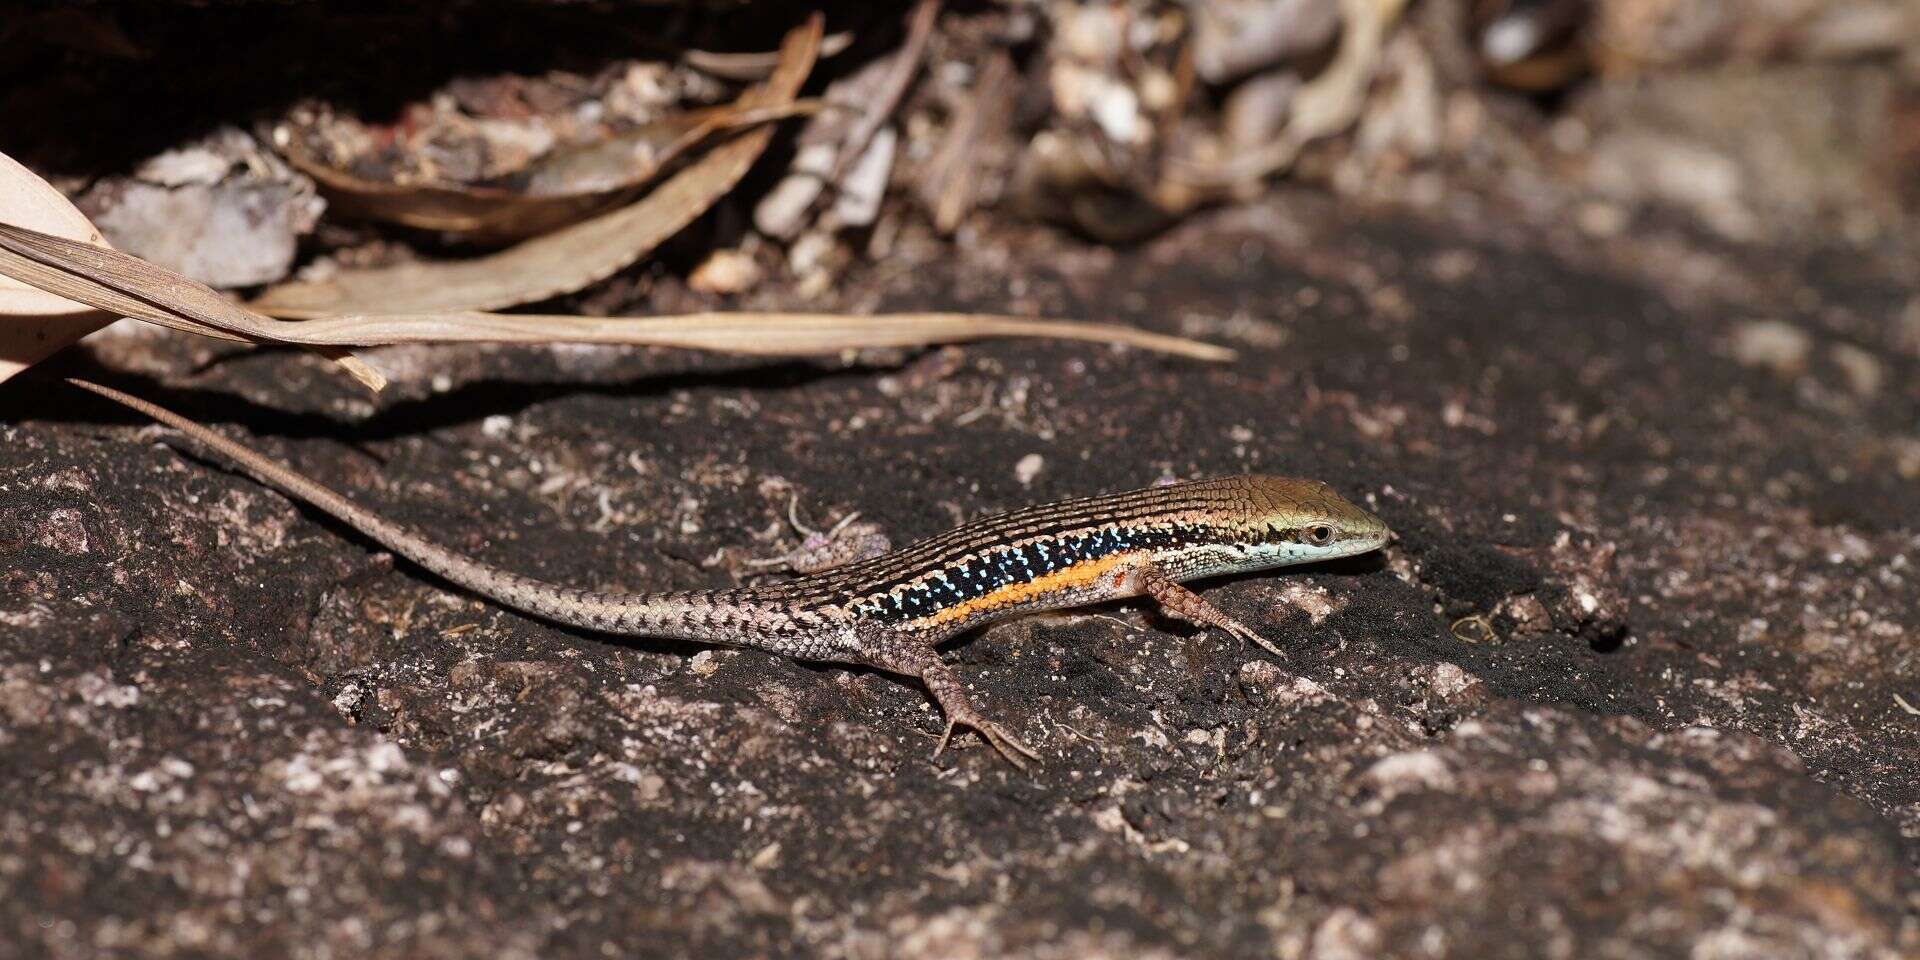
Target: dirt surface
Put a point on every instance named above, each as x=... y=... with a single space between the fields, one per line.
x=1626 y=684
x=1631 y=365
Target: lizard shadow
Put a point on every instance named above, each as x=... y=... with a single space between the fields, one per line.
x=467 y=403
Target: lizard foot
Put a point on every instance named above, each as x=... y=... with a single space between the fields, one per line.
x=1245 y=633
x=914 y=657
x=1005 y=741
x=1177 y=601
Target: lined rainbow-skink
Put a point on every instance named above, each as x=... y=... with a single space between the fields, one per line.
x=891 y=611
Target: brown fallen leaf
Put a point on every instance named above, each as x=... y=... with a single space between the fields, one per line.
x=564 y=188
x=906 y=64
x=751 y=333
x=385 y=307
x=123 y=284
x=1326 y=105
x=34 y=324
x=630 y=159
x=127 y=285
x=571 y=258
x=949 y=180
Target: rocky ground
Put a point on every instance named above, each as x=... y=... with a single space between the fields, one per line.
x=1637 y=678
x=1628 y=684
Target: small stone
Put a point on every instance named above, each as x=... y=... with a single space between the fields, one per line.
x=504 y=810
x=652 y=786
x=465 y=674
x=65 y=530
x=1406 y=772
x=864 y=185
x=1303 y=691
x=767 y=857
x=782 y=213
x=24 y=702
x=224 y=211
x=1313 y=601
x=1345 y=934
x=1449 y=682
x=98 y=690
x=1530 y=617
x=1863 y=370
x=1772 y=345
x=726 y=272
x=704 y=664
x=815 y=253
x=1258 y=678
x=1028 y=468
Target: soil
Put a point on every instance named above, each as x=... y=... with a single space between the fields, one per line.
x=1637 y=677
x=1626 y=681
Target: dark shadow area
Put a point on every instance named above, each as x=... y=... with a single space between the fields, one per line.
x=40 y=397
x=67 y=72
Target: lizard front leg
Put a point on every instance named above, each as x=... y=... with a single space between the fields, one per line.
x=912 y=656
x=1177 y=601
x=846 y=542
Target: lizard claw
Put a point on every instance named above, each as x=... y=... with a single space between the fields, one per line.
x=1186 y=605
x=1002 y=739
x=1246 y=633
x=915 y=658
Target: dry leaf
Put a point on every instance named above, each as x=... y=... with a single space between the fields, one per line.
x=755 y=66
x=562 y=189
x=128 y=285
x=758 y=334
x=393 y=313
x=950 y=179
x=1325 y=106
x=1331 y=102
x=35 y=324
x=123 y=285
x=574 y=257
x=900 y=74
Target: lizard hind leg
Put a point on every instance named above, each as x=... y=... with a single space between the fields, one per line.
x=845 y=542
x=913 y=657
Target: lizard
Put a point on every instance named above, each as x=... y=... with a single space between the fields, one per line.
x=890 y=612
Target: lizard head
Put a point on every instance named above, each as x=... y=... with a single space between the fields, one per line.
x=1289 y=520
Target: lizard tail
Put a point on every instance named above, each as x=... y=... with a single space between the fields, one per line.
x=647 y=614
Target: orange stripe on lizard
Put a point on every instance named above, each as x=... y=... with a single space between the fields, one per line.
x=1080 y=574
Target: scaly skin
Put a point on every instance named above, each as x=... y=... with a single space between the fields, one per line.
x=891 y=611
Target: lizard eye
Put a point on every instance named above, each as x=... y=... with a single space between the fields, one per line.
x=1319 y=534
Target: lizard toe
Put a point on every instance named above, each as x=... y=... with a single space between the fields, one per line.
x=1003 y=741
x=1246 y=633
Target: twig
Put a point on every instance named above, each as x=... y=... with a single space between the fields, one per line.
x=906 y=63
x=948 y=186
x=755 y=66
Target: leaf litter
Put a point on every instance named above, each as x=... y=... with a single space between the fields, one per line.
x=68 y=269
